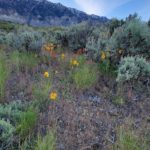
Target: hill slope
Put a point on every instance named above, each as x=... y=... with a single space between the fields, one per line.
x=43 y=13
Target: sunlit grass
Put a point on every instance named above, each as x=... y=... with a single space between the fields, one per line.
x=41 y=91
x=127 y=140
x=85 y=76
x=4 y=73
x=27 y=122
x=24 y=59
x=47 y=142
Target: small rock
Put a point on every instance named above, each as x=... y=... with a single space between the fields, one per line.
x=61 y=146
x=113 y=112
x=96 y=146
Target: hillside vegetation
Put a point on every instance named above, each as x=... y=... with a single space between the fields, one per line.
x=75 y=88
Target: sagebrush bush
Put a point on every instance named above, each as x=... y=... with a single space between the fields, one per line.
x=74 y=37
x=97 y=39
x=132 y=68
x=25 y=40
x=10 y=117
x=12 y=111
x=132 y=38
x=7 y=131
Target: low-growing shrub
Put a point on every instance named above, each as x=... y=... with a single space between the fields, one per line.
x=12 y=111
x=7 y=131
x=31 y=41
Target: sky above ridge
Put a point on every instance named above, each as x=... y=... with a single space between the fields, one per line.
x=110 y=8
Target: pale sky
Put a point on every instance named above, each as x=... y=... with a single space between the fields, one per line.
x=110 y=8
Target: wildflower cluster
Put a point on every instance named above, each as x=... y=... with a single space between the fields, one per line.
x=49 y=47
x=74 y=63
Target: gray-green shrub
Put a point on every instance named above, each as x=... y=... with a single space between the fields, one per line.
x=25 y=40
x=132 y=68
x=133 y=38
x=7 y=130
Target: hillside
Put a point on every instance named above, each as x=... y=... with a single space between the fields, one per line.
x=43 y=13
x=82 y=87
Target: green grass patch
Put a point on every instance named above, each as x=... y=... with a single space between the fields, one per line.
x=4 y=73
x=7 y=26
x=85 y=76
x=118 y=100
x=127 y=140
x=24 y=59
x=41 y=91
x=81 y=59
x=47 y=142
x=27 y=123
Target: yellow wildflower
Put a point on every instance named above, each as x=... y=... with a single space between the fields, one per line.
x=103 y=55
x=120 y=51
x=46 y=74
x=53 y=96
x=62 y=56
x=74 y=63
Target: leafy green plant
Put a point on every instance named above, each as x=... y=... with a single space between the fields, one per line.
x=81 y=59
x=85 y=76
x=107 y=68
x=47 y=142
